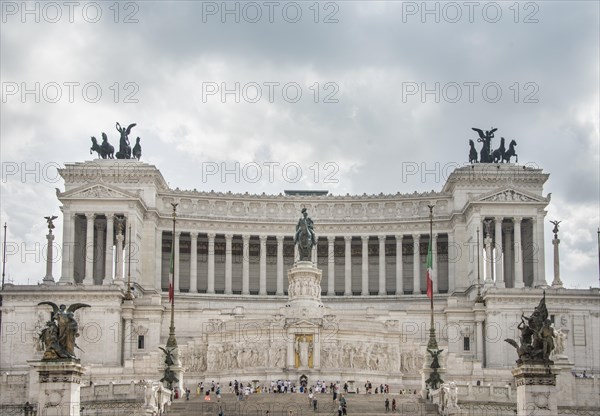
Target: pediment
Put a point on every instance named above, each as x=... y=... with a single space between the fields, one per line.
x=302 y=323
x=96 y=191
x=510 y=195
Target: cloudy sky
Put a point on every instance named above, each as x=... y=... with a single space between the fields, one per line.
x=343 y=96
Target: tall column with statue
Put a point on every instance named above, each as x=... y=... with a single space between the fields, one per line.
x=49 y=279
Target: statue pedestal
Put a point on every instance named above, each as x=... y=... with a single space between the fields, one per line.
x=59 y=388
x=304 y=290
x=536 y=389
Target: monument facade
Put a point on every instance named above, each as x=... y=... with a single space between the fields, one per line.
x=353 y=306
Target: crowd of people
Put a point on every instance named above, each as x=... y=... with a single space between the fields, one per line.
x=336 y=389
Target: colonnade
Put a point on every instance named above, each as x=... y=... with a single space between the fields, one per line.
x=331 y=250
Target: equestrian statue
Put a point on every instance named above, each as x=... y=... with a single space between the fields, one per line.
x=305 y=236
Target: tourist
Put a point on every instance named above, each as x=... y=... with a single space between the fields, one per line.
x=310 y=397
x=343 y=403
x=198 y=390
x=314 y=403
x=207 y=396
x=187 y=393
x=346 y=388
x=387 y=405
x=393 y=405
x=218 y=392
x=201 y=387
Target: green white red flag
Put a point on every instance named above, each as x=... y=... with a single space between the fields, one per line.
x=171 y=277
x=429 y=272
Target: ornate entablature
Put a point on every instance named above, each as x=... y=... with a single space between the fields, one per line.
x=509 y=195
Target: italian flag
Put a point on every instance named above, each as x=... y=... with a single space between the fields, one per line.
x=171 y=277
x=429 y=272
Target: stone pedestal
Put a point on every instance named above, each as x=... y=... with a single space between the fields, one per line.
x=304 y=290
x=59 y=388
x=536 y=389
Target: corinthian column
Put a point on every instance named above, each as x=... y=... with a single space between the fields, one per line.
x=119 y=248
x=262 y=287
x=348 y=266
x=210 y=287
x=518 y=253
x=365 y=265
x=246 y=265
x=89 y=250
x=382 y=288
x=108 y=263
x=193 y=262
x=399 y=266
x=228 y=266
x=330 y=266
x=280 y=265
x=68 y=248
x=499 y=253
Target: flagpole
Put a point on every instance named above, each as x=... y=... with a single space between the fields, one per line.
x=172 y=341
x=432 y=344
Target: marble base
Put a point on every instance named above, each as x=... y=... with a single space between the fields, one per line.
x=536 y=389
x=59 y=387
x=305 y=288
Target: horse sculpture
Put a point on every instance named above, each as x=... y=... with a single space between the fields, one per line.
x=105 y=150
x=510 y=153
x=498 y=154
x=472 y=152
x=137 y=149
x=96 y=147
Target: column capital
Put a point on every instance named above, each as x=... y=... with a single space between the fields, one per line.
x=246 y=238
x=228 y=237
x=331 y=239
x=499 y=219
x=382 y=238
x=280 y=238
x=211 y=236
x=109 y=216
x=517 y=220
x=194 y=234
x=347 y=238
x=90 y=216
x=434 y=236
x=416 y=237
x=177 y=234
x=399 y=237
x=263 y=238
x=365 y=238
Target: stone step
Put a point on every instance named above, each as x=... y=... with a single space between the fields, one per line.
x=282 y=404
